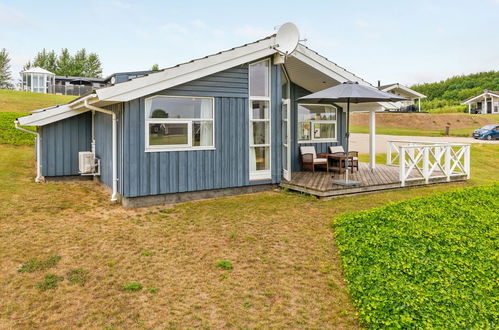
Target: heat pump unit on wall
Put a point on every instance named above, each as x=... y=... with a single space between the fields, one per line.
x=86 y=162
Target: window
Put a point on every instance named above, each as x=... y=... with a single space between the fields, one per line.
x=179 y=123
x=316 y=122
x=259 y=120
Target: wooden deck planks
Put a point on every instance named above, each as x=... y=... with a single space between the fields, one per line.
x=321 y=184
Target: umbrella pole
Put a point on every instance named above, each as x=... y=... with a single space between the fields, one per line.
x=346 y=182
x=347 y=136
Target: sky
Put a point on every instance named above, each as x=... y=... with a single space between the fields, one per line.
x=392 y=41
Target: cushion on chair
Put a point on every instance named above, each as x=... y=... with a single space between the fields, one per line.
x=320 y=160
x=308 y=150
x=335 y=149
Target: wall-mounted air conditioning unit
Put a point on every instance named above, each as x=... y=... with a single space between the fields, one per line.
x=87 y=163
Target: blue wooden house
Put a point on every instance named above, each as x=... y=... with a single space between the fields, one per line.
x=222 y=124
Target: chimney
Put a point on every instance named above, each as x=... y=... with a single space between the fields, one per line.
x=379 y=83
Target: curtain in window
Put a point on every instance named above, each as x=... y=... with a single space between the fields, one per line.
x=206 y=127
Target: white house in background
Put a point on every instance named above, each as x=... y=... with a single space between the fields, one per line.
x=411 y=95
x=37 y=80
x=487 y=102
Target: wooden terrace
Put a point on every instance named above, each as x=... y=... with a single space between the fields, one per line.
x=320 y=183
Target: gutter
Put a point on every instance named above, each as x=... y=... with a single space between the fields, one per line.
x=38 y=144
x=114 y=196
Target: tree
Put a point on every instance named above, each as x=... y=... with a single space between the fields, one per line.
x=5 y=75
x=46 y=60
x=64 y=63
x=155 y=67
x=81 y=64
x=92 y=67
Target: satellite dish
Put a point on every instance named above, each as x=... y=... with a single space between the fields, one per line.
x=287 y=38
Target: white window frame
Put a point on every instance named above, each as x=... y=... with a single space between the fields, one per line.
x=188 y=121
x=261 y=174
x=312 y=122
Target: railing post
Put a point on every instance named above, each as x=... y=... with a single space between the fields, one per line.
x=426 y=163
x=402 y=166
x=447 y=162
x=467 y=164
x=389 y=154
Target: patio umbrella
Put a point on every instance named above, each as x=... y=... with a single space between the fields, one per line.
x=350 y=92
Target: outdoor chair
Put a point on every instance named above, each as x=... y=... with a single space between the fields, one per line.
x=353 y=159
x=309 y=159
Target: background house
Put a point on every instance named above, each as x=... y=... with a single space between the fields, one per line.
x=486 y=102
x=413 y=102
x=39 y=80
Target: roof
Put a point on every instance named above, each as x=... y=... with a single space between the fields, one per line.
x=404 y=89
x=37 y=69
x=195 y=69
x=485 y=92
x=80 y=78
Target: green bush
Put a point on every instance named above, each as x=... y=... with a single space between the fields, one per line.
x=33 y=264
x=132 y=286
x=77 y=276
x=429 y=262
x=449 y=109
x=49 y=282
x=224 y=264
x=10 y=135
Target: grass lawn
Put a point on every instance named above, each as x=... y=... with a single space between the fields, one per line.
x=429 y=262
x=260 y=260
x=24 y=102
x=421 y=124
x=412 y=131
x=14 y=104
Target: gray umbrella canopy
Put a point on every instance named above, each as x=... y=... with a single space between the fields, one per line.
x=350 y=92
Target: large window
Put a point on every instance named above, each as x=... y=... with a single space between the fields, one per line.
x=317 y=123
x=179 y=123
x=259 y=120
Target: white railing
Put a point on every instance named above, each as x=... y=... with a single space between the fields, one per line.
x=426 y=160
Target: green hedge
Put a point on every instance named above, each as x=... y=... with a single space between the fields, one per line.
x=430 y=262
x=10 y=135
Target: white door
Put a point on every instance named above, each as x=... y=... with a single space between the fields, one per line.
x=286 y=139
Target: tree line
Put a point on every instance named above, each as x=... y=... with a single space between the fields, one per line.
x=459 y=88
x=81 y=64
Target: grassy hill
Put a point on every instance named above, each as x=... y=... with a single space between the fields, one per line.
x=446 y=95
x=14 y=104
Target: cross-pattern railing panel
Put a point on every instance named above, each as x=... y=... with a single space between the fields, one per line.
x=423 y=160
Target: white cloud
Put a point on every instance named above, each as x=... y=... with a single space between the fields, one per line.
x=173 y=27
x=361 y=23
x=120 y=4
x=251 y=32
x=10 y=16
x=197 y=23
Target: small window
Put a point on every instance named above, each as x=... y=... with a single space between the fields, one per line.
x=317 y=123
x=179 y=123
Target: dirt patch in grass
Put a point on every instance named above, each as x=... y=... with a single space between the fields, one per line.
x=424 y=121
x=286 y=269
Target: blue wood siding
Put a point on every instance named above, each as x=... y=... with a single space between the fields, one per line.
x=103 y=144
x=151 y=173
x=61 y=142
x=296 y=93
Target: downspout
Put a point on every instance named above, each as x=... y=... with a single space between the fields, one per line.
x=38 y=142
x=114 y=196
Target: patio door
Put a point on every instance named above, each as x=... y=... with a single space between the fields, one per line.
x=286 y=139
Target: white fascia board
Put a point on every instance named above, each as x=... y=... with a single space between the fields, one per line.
x=49 y=116
x=334 y=71
x=184 y=73
x=479 y=97
x=322 y=64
